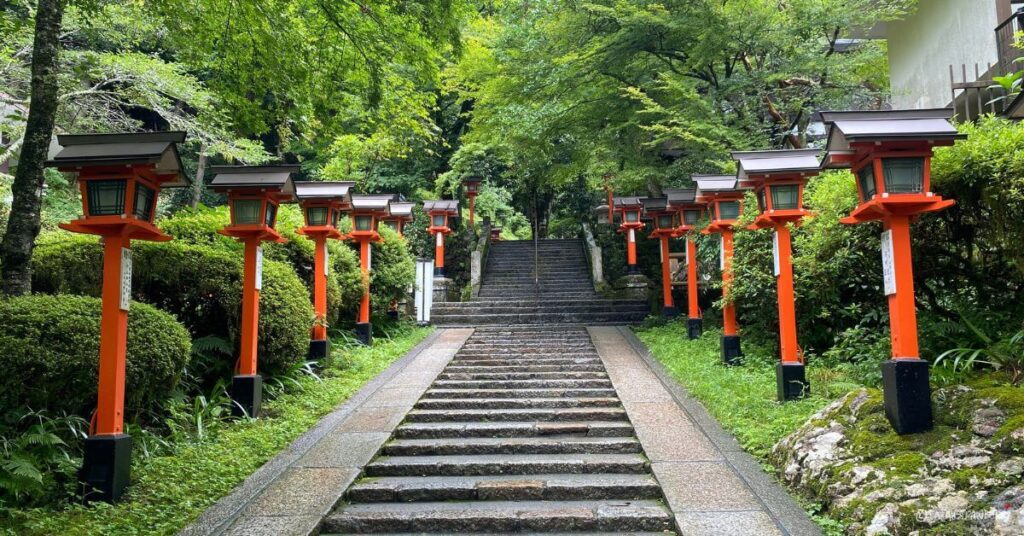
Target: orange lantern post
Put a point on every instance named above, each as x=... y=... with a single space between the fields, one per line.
x=367 y=211
x=399 y=214
x=665 y=227
x=890 y=156
x=439 y=212
x=629 y=208
x=472 y=185
x=323 y=204
x=725 y=202
x=683 y=201
x=120 y=176
x=778 y=179
x=254 y=194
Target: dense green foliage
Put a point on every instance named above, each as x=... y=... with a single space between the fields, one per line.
x=172 y=488
x=49 y=348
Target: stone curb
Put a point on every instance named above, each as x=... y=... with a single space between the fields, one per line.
x=218 y=517
x=787 y=514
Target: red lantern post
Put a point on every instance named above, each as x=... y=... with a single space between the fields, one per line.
x=120 y=176
x=254 y=193
x=629 y=208
x=367 y=211
x=666 y=226
x=684 y=203
x=323 y=204
x=890 y=156
x=725 y=202
x=440 y=212
x=778 y=179
x=472 y=185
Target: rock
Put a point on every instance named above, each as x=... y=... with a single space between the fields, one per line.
x=1012 y=467
x=862 y=473
x=886 y=520
x=930 y=487
x=1017 y=435
x=987 y=420
x=961 y=456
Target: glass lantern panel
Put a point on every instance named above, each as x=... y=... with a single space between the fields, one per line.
x=364 y=223
x=762 y=205
x=665 y=221
x=866 y=181
x=247 y=211
x=691 y=217
x=392 y=224
x=903 y=175
x=106 y=197
x=316 y=216
x=271 y=214
x=632 y=216
x=144 y=196
x=785 y=196
x=728 y=210
x=438 y=220
x=335 y=217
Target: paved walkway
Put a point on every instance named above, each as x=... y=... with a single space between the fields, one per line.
x=520 y=432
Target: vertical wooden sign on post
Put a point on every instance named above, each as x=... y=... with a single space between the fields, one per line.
x=724 y=199
x=254 y=195
x=323 y=204
x=120 y=176
x=778 y=179
x=889 y=153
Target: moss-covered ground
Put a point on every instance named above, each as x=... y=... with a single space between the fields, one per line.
x=168 y=492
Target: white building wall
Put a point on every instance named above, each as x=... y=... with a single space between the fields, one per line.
x=940 y=34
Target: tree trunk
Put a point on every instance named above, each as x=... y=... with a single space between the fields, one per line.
x=24 y=222
x=197 y=184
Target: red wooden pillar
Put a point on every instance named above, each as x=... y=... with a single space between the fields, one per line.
x=364 y=266
x=666 y=279
x=902 y=308
x=694 y=322
x=319 y=331
x=788 y=346
x=438 y=254
x=251 y=284
x=730 y=327
x=113 y=340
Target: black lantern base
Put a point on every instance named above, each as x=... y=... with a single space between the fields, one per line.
x=106 y=467
x=393 y=315
x=438 y=272
x=364 y=332
x=731 y=351
x=694 y=328
x=632 y=269
x=908 y=401
x=247 y=395
x=670 y=311
x=319 y=349
x=791 y=381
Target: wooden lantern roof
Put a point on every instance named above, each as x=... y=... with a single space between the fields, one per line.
x=768 y=164
x=622 y=203
x=270 y=179
x=324 y=191
x=371 y=202
x=715 y=186
x=447 y=206
x=401 y=210
x=157 y=149
x=849 y=130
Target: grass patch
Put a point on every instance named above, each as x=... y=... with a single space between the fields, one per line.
x=742 y=398
x=168 y=492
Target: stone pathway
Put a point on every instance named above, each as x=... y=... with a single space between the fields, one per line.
x=532 y=429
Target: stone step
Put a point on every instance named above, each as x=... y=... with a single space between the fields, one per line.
x=562 y=375
x=516 y=415
x=512 y=445
x=555 y=487
x=432 y=430
x=558 y=393
x=457 y=368
x=520 y=464
x=500 y=516
x=516 y=403
x=514 y=361
x=553 y=349
x=589 y=319
x=521 y=384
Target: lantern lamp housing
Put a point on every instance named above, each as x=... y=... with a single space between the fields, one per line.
x=472 y=185
x=367 y=212
x=254 y=194
x=440 y=213
x=629 y=212
x=323 y=204
x=778 y=179
x=723 y=195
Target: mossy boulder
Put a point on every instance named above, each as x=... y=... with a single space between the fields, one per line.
x=963 y=477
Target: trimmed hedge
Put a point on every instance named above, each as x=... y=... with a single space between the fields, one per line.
x=49 y=352
x=200 y=284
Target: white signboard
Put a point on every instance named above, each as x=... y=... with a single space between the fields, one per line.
x=327 y=262
x=632 y=235
x=424 y=290
x=687 y=254
x=888 y=263
x=721 y=253
x=126 y=278
x=775 y=253
x=369 y=257
x=259 y=268
x=440 y=239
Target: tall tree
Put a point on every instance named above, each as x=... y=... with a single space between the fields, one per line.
x=24 y=221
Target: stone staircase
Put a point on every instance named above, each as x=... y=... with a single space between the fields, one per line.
x=560 y=292
x=522 y=432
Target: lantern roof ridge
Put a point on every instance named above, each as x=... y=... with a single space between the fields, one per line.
x=776 y=161
x=122 y=149
x=324 y=189
x=254 y=177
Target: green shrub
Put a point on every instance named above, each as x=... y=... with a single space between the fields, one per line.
x=200 y=284
x=49 y=352
x=393 y=270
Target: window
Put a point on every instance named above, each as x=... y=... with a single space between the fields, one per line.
x=316 y=216
x=271 y=214
x=144 y=196
x=728 y=210
x=691 y=217
x=438 y=220
x=903 y=175
x=364 y=223
x=785 y=196
x=632 y=216
x=106 y=197
x=665 y=221
x=866 y=181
